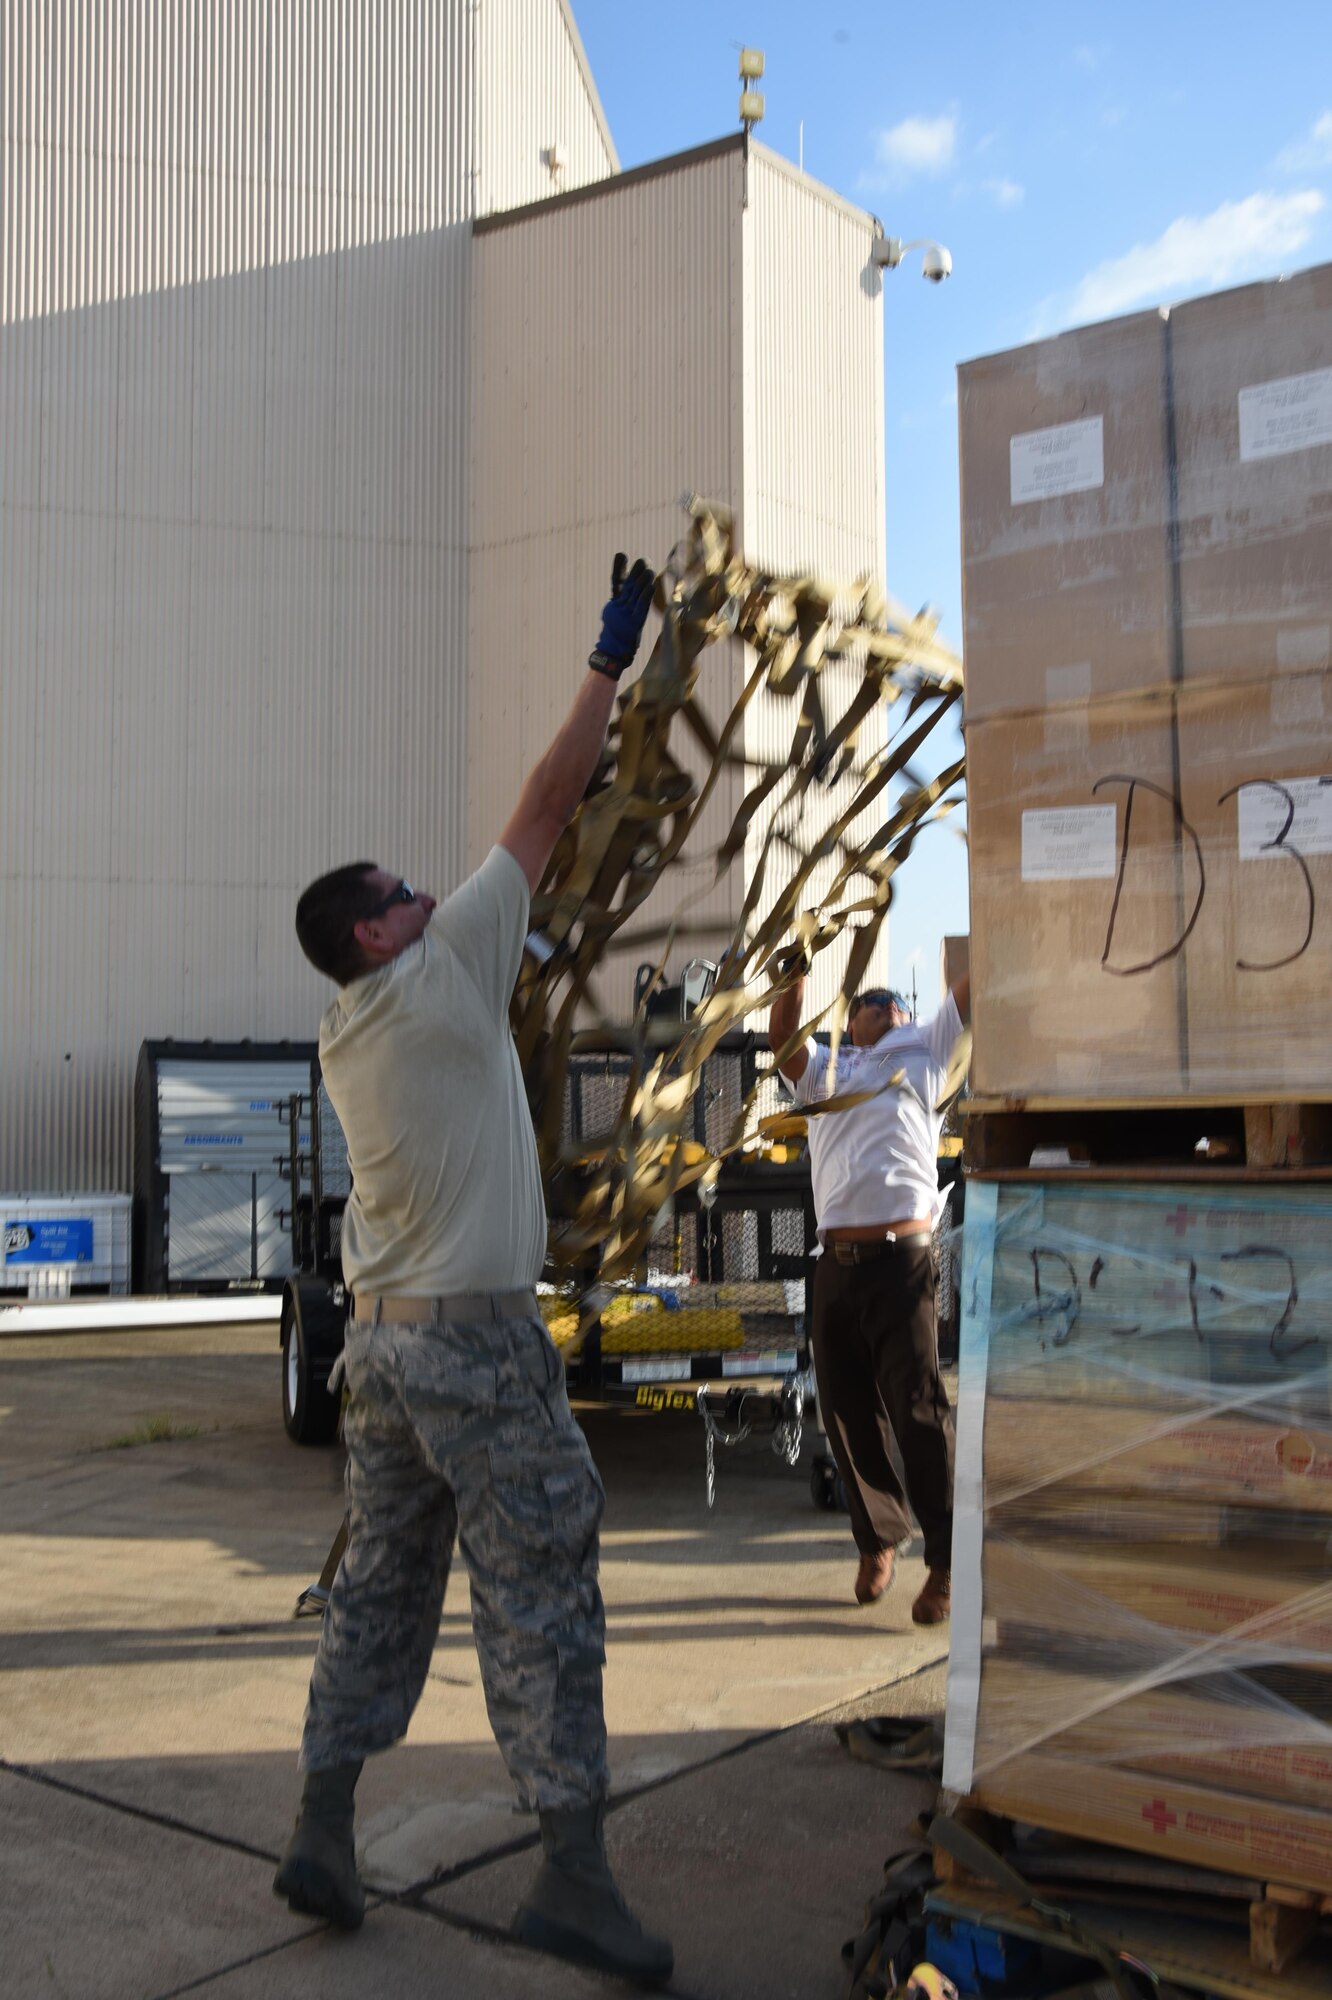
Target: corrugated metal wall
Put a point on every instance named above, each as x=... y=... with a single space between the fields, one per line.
x=607 y=345
x=234 y=417
x=255 y=500
x=814 y=442
x=535 y=96
x=709 y=324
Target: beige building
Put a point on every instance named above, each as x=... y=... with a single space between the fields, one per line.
x=336 y=357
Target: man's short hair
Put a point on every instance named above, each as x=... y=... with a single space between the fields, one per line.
x=879 y=996
x=326 y=918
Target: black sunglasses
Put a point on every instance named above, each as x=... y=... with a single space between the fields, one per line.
x=404 y=893
x=877 y=996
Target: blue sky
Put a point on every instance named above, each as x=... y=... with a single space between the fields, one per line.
x=1077 y=162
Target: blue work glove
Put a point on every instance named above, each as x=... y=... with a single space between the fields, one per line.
x=623 y=618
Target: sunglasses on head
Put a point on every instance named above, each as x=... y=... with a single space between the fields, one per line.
x=877 y=996
x=403 y=893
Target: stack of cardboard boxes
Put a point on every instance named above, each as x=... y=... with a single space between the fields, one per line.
x=1142 y=1636
x=1147 y=576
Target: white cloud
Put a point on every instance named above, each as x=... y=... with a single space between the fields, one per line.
x=1007 y=194
x=1311 y=152
x=917 y=146
x=1238 y=240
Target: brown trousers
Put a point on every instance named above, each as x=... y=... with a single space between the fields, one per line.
x=876 y=1361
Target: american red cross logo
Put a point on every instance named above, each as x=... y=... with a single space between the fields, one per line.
x=1158 y=1816
x=1179 y=1219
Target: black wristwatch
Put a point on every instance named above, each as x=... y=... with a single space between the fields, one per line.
x=602 y=663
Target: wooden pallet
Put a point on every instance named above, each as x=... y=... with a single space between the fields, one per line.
x=1198 y=1954
x=1247 y=1140
x=1194 y=1926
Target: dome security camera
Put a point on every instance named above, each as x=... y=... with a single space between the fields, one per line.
x=887 y=252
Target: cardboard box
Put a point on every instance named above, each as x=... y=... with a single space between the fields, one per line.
x=1156 y=1813
x=1252 y=391
x=1218 y=916
x=1076 y=1447
x=1135 y=1600
x=954 y=963
x=1196 y=1730
x=1258 y=966
x=1074 y=991
x=1065 y=557
x=1146 y=1287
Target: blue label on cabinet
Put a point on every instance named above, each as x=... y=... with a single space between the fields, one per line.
x=65 y=1239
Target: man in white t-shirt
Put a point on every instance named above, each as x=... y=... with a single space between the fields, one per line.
x=457 y=1420
x=876 y=1198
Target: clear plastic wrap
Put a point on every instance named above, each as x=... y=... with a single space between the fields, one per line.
x=1142 y=1629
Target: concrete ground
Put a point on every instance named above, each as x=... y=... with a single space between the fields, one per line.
x=156 y=1527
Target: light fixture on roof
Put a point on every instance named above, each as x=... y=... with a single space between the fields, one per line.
x=887 y=253
x=751 y=101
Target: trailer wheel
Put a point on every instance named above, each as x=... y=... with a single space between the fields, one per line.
x=312 y=1334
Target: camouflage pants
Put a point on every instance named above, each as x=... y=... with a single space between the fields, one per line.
x=464 y=1428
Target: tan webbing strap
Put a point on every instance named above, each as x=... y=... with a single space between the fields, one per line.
x=606 y=1191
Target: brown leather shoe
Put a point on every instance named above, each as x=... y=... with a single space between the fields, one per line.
x=874 y=1576
x=935 y=1600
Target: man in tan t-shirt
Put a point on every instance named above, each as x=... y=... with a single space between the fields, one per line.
x=457 y=1420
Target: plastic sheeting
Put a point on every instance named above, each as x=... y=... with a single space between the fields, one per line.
x=1142 y=1634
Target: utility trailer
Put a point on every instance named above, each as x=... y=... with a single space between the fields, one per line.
x=717 y=1324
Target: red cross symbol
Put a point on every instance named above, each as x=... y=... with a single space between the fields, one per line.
x=1158 y=1816
x=1179 y=1220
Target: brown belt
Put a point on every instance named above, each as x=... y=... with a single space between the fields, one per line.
x=867 y=1249
x=463 y=1305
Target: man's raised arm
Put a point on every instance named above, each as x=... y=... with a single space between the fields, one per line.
x=555 y=786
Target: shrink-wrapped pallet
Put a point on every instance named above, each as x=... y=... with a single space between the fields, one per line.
x=1142 y=1627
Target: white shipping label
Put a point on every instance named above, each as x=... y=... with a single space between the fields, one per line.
x=1262 y=814
x=1297 y=702
x=1291 y=414
x=1300 y=646
x=1068 y=843
x=1068 y=683
x=1067 y=458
